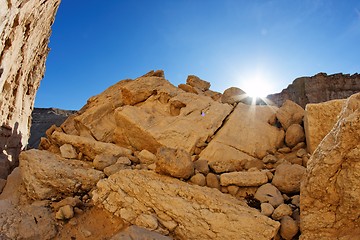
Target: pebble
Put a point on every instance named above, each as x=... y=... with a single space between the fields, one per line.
x=266 y=209
x=289 y=228
x=281 y=211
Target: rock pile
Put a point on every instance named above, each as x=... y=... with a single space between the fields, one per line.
x=185 y=162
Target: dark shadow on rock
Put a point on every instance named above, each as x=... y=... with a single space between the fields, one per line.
x=10 y=148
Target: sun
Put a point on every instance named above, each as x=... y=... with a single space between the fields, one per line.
x=256 y=88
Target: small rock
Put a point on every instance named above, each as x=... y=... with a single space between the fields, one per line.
x=256 y=163
x=269 y=159
x=65 y=212
x=268 y=193
x=296 y=160
x=270 y=175
x=102 y=161
x=281 y=211
x=198 y=179
x=187 y=88
x=86 y=233
x=305 y=161
x=296 y=216
x=174 y=162
x=233 y=190
x=123 y=160
x=284 y=150
x=243 y=179
x=72 y=201
x=267 y=209
x=68 y=151
x=196 y=82
x=147 y=221
x=288 y=228
x=298 y=146
x=245 y=191
x=287 y=177
x=295 y=200
x=116 y=168
x=152 y=166
x=301 y=153
x=212 y=181
x=201 y=166
x=294 y=135
x=146 y=157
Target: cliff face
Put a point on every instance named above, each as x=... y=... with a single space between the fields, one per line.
x=25 y=28
x=318 y=88
x=42 y=120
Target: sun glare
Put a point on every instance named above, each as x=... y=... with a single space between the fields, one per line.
x=257 y=88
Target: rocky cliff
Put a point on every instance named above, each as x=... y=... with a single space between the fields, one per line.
x=25 y=27
x=42 y=120
x=318 y=88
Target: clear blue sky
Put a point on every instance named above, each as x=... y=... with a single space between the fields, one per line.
x=95 y=44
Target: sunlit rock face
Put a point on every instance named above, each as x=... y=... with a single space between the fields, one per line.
x=330 y=196
x=318 y=88
x=25 y=27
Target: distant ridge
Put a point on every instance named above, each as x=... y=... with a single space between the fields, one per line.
x=318 y=88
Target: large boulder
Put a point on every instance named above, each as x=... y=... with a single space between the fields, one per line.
x=245 y=135
x=330 y=195
x=182 y=121
x=319 y=120
x=47 y=175
x=183 y=210
x=287 y=177
x=290 y=113
x=174 y=162
x=25 y=28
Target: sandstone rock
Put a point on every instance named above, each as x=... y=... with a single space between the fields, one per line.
x=102 y=161
x=319 y=120
x=287 y=177
x=146 y=157
x=68 y=151
x=154 y=124
x=71 y=201
x=269 y=159
x=65 y=212
x=268 y=193
x=295 y=200
x=46 y=175
x=174 y=162
x=290 y=113
x=212 y=181
x=198 y=179
x=294 y=135
x=139 y=233
x=90 y=147
x=318 y=88
x=266 y=209
x=2 y=184
x=233 y=95
x=330 y=193
x=213 y=214
x=243 y=179
x=187 y=88
x=289 y=228
x=20 y=221
x=24 y=37
x=216 y=96
x=245 y=135
x=194 y=81
x=201 y=166
x=147 y=221
x=301 y=153
x=233 y=190
x=281 y=211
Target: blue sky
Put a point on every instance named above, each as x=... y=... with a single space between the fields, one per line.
x=241 y=43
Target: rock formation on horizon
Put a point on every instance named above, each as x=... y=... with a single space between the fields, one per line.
x=318 y=88
x=25 y=28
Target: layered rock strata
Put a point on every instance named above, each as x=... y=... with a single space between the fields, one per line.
x=25 y=28
x=318 y=88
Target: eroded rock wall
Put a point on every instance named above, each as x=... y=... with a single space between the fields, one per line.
x=330 y=196
x=318 y=88
x=25 y=28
